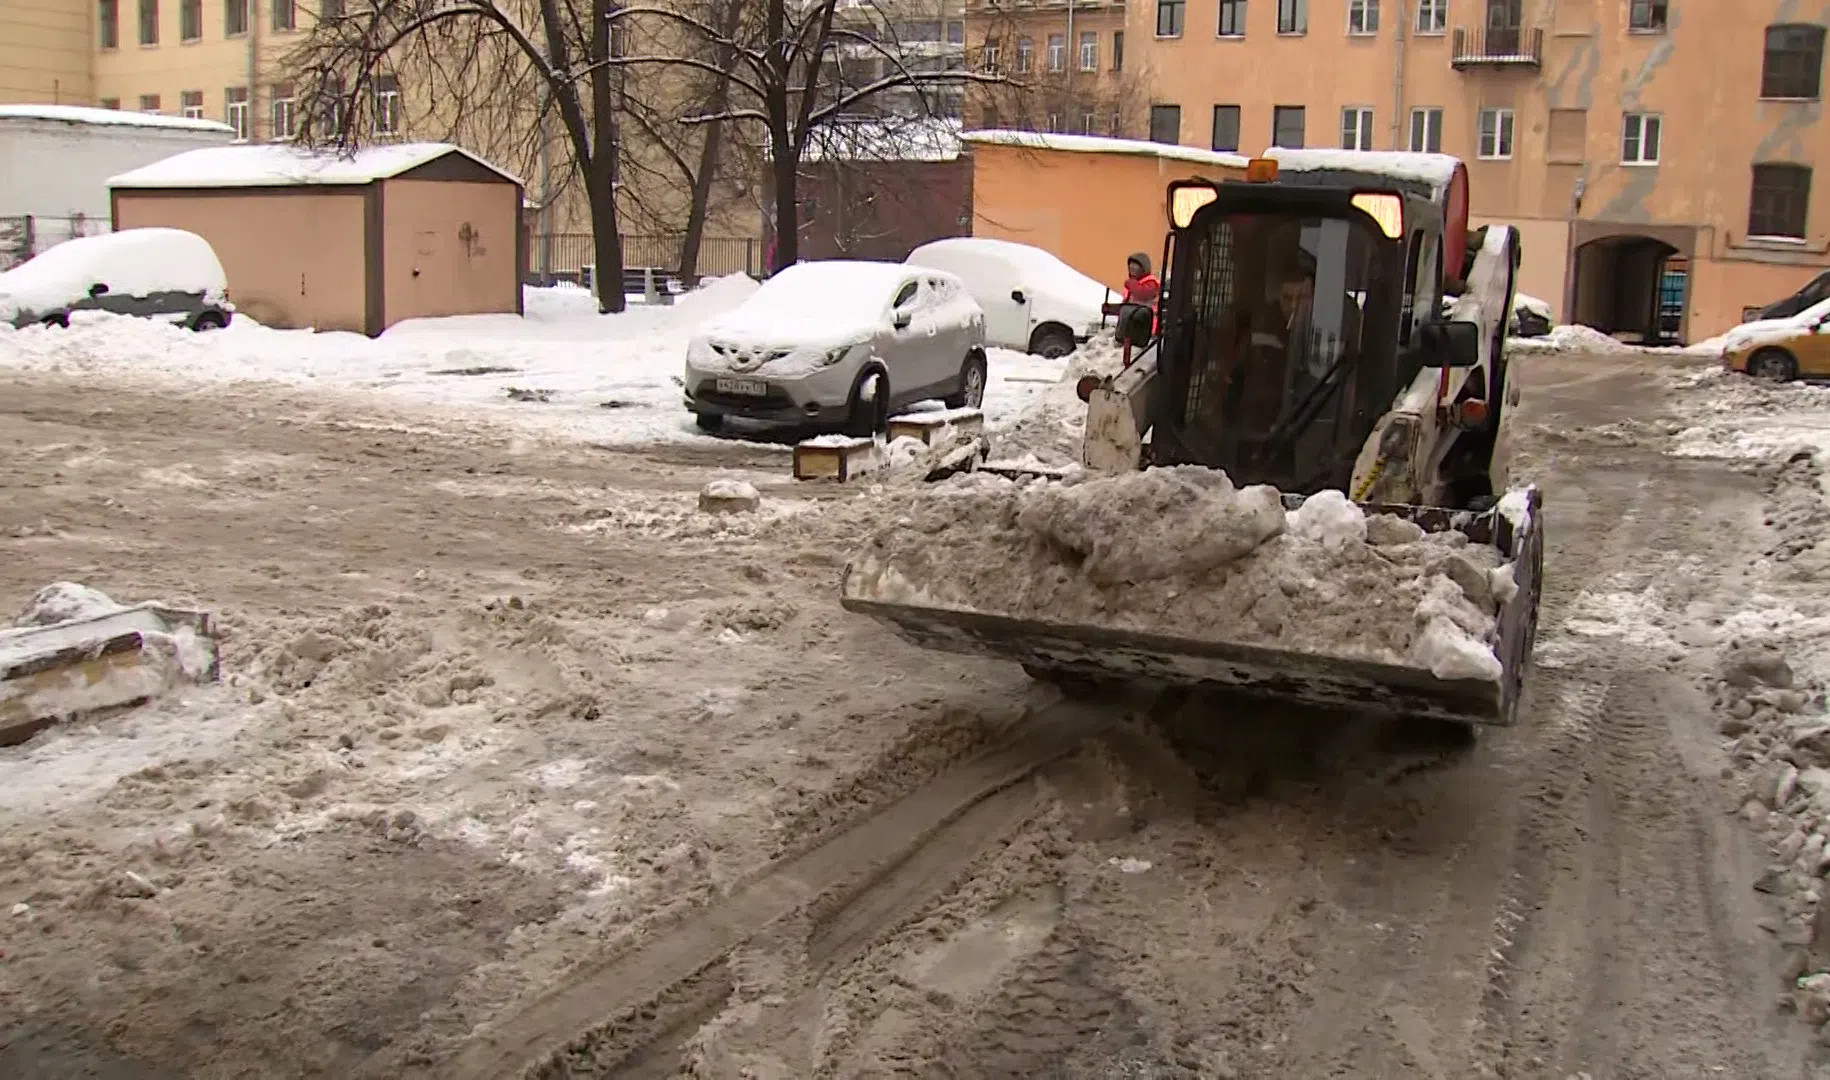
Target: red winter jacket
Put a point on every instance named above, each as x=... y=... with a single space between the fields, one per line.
x=1142 y=290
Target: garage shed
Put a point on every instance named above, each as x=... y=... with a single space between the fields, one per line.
x=342 y=242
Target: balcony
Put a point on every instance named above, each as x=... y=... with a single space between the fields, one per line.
x=1504 y=47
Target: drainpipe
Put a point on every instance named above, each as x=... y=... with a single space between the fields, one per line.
x=1404 y=19
x=254 y=69
x=1070 y=59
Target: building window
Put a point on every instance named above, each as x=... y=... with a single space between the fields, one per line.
x=1794 y=62
x=990 y=57
x=1169 y=17
x=1646 y=15
x=1362 y=16
x=387 y=105
x=1117 y=124
x=329 y=9
x=1089 y=121
x=1496 y=134
x=190 y=20
x=1432 y=16
x=1166 y=124
x=1287 y=122
x=111 y=103
x=1639 y=138
x=281 y=113
x=234 y=17
x=956 y=33
x=1356 y=128
x=285 y=14
x=1426 y=130
x=1026 y=55
x=1293 y=16
x=108 y=23
x=1232 y=18
x=330 y=106
x=1089 y=51
x=1054 y=123
x=190 y=104
x=235 y=111
x=1057 y=52
x=1781 y=194
x=149 y=22
x=1226 y=127
x=1118 y=50
x=149 y=103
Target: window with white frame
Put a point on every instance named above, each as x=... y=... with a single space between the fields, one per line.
x=1054 y=124
x=235 y=111
x=1089 y=121
x=1292 y=16
x=1426 y=130
x=387 y=105
x=1232 y=18
x=1356 y=128
x=280 y=109
x=149 y=103
x=190 y=104
x=1026 y=55
x=1362 y=16
x=1639 y=138
x=1432 y=16
x=1496 y=134
x=990 y=58
x=1089 y=51
x=1057 y=52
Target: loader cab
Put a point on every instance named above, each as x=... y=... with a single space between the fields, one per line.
x=1298 y=312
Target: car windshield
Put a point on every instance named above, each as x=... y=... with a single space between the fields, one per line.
x=819 y=290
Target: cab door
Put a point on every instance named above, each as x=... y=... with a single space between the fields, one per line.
x=1812 y=347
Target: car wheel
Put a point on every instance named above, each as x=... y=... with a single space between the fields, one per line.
x=209 y=320
x=1775 y=364
x=971 y=383
x=870 y=406
x=709 y=421
x=1052 y=342
x=61 y=321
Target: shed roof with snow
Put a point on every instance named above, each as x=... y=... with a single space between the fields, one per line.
x=292 y=166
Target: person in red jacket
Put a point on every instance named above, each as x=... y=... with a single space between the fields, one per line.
x=1137 y=311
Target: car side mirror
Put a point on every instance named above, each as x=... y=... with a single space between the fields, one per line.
x=1017 y=295
x=901 y=321
x=1455 y=344
x=97 y=289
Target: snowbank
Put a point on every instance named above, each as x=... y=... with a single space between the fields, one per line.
x=1435 y=170
x=1096 y=144
x=1181 y=551
x=77 y=114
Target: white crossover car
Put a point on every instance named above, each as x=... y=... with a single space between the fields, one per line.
x=1033 y=301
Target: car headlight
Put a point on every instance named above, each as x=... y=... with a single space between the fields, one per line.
x=835 y=355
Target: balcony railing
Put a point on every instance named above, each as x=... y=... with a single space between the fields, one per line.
x=1497 y=47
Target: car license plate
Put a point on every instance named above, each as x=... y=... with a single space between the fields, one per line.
x=751 y=387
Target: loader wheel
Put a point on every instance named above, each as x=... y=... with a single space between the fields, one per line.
x=1774 y=364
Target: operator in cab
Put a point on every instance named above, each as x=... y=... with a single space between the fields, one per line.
x=1137 y=311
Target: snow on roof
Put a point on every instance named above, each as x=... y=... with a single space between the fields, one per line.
x=281 y=165
x=1436 y=170
x=77 y=114
x=1095 y=144
x=875 y=140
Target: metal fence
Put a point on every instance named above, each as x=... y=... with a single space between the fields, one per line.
x=562 y=256
x=25 y=236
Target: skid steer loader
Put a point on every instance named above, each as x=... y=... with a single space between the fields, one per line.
x=1402 y=409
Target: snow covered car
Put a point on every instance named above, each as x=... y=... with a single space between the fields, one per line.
x=1782 y=349
x=1033 y=301
x=156 y=273
x=839 y=344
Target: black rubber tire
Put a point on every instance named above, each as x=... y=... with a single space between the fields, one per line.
x=972 y=377
x=1051 y=341
x=871 y=418
x=1773 y=363
x=209 y=320
x=709 y=421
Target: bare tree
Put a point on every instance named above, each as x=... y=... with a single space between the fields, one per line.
x=795 y=67
x=1036 y=93
x=496 y=71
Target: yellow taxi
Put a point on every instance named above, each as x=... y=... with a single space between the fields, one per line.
x=1797 y=346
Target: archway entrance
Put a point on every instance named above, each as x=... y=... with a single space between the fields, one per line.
x=1631 y=282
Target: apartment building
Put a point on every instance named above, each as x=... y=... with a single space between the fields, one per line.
x=44 y=53
x=1657 y=156
x=1062 y=64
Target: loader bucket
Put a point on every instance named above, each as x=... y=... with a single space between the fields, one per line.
x=123 y=657
x=1331 y=682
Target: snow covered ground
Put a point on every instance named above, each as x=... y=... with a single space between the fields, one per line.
x=562 y=370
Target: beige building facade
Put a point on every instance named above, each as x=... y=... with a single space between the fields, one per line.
x=45 y=51
x=1065 y=66
x=1657 y=156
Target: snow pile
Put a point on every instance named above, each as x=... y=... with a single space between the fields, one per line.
x=1182 y=551
x=729 y=497
x=132 y=262
x=62 y=601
